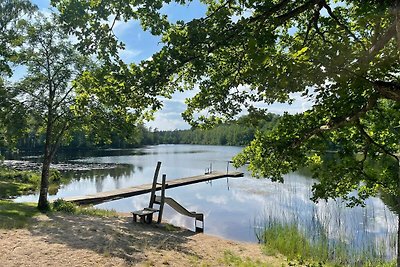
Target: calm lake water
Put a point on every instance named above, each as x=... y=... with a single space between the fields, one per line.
x=234 y=208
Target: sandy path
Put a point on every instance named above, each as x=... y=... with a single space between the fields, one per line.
x=66 y=240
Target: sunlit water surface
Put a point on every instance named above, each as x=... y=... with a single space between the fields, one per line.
x=234 y=208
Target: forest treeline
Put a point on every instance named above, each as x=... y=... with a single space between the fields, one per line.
x=236 y=133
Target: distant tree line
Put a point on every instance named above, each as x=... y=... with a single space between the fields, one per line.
x=239 y=132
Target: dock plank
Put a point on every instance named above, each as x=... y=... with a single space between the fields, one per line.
x=146 y=188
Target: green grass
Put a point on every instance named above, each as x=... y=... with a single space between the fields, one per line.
x=16 y=215
x=90 y=211
x=68 y=207
x=171 y=228
x=30 y=177
x=231 y=259
x=287 y=240
x=381 y=264
x=15 y=183
x=11 y=189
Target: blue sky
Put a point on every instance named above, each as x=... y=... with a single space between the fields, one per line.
x=141 y=45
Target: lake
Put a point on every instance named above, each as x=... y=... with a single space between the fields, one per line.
x=234 y=208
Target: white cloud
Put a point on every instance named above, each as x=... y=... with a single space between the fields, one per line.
x=181 y=96
x=219 y=200
x=299 y=105
x=162 y=122
x=169 y=118
x=121 y=27
x=128 y=55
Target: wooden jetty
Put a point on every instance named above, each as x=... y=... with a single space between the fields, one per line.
x=146 y=188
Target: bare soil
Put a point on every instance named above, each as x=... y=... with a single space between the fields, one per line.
x=70 y=240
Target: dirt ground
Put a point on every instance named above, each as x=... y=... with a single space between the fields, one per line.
x=70 y=240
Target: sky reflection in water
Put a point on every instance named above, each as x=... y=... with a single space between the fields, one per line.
x=237 y=207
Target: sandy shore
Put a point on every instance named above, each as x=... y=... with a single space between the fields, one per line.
x=69 y=240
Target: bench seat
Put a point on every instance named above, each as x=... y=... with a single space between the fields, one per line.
x=145 y=215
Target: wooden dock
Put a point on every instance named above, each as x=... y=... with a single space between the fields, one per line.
x=146 y=188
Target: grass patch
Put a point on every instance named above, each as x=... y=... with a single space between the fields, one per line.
x=288 y=240
x=382 y=264
x=15 y=183
x=90 y=211
x=71 y=208
x=171 y=228
x=11 y=189
x=16 y=215
x=231 y=259
x=196 y=261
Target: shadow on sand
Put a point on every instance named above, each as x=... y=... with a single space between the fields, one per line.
x=111 y=236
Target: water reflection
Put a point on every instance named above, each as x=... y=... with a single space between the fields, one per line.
x=234 y=208
x=371 y=229
x=70 y=155
x=122 y=171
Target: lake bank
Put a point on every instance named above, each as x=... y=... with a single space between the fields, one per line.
x=238 y=208
x=25 y=165
x=69 y=240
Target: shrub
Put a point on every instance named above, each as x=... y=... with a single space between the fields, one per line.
x=64 y=206
x=55 y=176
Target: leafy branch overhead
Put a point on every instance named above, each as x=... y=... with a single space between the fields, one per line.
x=341 y=55
x=62 y=90
x=13 y=21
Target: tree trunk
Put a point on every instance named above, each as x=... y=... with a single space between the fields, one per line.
x=397 y=210
x=43 y=204
x=398 y=240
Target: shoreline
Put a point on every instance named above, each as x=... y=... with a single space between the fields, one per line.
x=60 y=239
x=24 y=165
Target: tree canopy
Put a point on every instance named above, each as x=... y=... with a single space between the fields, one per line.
x=46 y=93
x=13 y=20
x=64 y=90
x=341 y=55
x=13 y=24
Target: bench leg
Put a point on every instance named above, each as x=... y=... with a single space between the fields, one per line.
x=143 y=218
x=149 y=218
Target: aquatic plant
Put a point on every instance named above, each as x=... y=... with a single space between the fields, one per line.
x=315 y=248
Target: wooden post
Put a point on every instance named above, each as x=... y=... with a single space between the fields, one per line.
x=197 y=228
x=162 y=200
x=153 y=188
